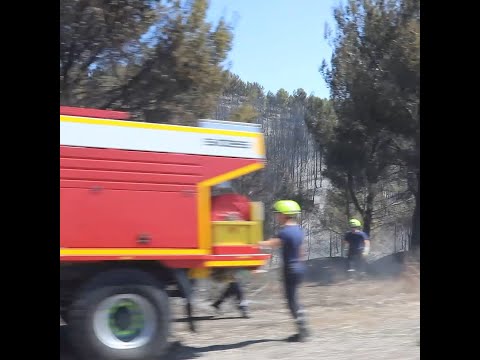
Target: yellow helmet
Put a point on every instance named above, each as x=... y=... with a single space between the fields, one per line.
x=355 y=223
x=287 y=207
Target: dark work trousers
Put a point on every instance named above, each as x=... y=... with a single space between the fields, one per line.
x=356 y=261
x=233 y=290
x=292 y=282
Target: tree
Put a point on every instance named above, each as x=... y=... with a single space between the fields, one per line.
x=160 y=60
x=244 y=113
x=94 y=33
x=293 y=164
x=373 y=71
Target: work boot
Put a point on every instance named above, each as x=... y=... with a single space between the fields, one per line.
x=302 y=336
x=351 y=274
x=303 y=333
x=243 y=307
x=244 y=312
x=301 y=325
x=216 y=307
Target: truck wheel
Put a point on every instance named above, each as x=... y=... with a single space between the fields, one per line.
x=120 y=315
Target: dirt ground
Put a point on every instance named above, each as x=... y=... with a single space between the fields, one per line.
x=358 y=320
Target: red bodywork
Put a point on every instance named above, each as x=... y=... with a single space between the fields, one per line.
x=114 y=199
x=107 y=196
x=94 y=113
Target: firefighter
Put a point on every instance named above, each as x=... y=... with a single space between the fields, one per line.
x=358 y=247
x=290 y=239
x=230 y=278
x=233 y=290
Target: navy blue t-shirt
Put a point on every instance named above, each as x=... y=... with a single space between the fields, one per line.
x=356 y=240
x=292 y=239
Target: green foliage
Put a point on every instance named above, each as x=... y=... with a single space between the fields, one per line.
x=160 y=60
x=244 y=113
x=374 y=83
x=336 y=211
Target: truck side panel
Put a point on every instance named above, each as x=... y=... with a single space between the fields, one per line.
x=110 y=199
x=110 y=218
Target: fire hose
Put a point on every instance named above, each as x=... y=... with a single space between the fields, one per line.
x=268 y=278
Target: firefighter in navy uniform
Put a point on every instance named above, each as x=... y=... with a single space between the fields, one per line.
x=290 y=239
x=358 y=247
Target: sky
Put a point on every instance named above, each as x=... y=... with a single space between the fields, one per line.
x=278 y=43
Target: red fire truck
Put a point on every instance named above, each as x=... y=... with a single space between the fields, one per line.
x=137 y=223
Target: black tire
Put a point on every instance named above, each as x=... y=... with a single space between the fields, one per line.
x=123 y=281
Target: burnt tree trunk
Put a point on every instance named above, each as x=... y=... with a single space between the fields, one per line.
x=415 y=239
x=368 y=215
x=415 y=236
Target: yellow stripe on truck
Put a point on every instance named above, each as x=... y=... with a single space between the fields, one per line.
x=234 y=263
x=129 y=252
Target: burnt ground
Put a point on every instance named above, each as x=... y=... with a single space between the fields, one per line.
x=370 y=319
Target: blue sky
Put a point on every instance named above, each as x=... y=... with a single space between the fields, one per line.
x=278 y=43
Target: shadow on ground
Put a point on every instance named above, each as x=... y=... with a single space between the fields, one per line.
x=176 y=351
x=209 y=318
